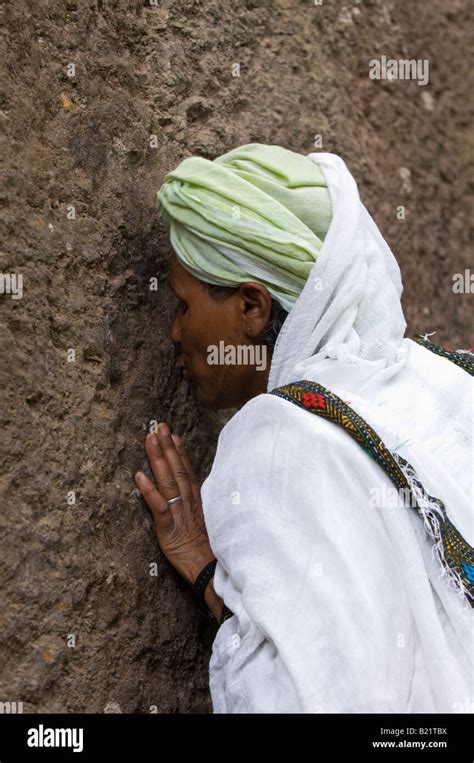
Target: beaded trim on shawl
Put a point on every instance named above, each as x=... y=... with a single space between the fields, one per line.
x=456 y=556
x=462 y=357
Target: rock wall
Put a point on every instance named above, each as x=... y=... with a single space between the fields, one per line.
x=99 y=99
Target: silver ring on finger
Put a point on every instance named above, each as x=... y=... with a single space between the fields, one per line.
x=174 y=500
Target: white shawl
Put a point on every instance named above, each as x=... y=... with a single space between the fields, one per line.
x=340 y=601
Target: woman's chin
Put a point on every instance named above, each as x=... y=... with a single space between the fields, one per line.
x=203 y=398
x=200 y=395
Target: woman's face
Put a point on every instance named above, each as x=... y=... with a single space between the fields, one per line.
x=203 y=323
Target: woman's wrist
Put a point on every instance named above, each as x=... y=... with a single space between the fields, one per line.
x=193 y=572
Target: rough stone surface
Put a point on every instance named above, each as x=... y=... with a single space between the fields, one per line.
x=85 y=627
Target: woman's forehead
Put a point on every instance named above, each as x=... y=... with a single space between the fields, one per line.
x=173 y=269
x=179 y=276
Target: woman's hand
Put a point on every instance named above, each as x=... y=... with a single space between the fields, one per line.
x=181 y=530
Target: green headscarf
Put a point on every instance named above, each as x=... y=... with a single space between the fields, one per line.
x=257 y=213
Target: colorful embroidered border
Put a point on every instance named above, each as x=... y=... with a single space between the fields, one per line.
x=456 y=552
x=461 y=357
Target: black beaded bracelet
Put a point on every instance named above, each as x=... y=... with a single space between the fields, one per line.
x=200 y=586
x=225 y=614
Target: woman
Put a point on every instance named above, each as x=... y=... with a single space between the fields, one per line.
x=339 y=593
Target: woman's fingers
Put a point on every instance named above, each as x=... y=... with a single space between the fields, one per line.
x=193 y=478
x=181 y=528
x=167 y=466
x=155 y=502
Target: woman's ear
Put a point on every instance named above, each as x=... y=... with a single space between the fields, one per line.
x=257 y=308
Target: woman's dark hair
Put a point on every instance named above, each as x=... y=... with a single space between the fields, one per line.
x=277 y=315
